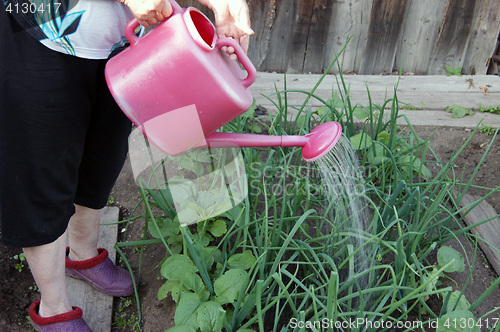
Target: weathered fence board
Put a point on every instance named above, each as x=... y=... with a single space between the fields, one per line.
x=484 y=27
x=418 y=36
x=348 y=20
x=386 y=21
x=422 y=19
x=453 y=35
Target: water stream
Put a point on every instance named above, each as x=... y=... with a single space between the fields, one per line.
x=347 y=210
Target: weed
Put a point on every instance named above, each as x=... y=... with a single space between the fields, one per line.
x=491 y=109
x=27 y=322
x=34 y=288
x=487 y=130
x=124 y=321
x=20 y=262
x=410 y=107
x=458 y=111
x=453 y=71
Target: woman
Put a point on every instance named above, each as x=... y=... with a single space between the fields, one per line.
x=63 y=139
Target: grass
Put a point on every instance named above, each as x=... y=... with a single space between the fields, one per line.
x=266 y=264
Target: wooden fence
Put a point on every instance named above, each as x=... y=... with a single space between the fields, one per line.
x=417 y=36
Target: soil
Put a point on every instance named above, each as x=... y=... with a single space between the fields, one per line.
x=18 y=291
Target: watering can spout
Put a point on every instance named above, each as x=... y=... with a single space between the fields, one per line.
x=314 y=145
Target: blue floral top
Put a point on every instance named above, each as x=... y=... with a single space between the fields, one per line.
x=85 y=28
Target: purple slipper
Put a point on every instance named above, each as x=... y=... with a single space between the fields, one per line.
x=102 y=274
x=68 y=321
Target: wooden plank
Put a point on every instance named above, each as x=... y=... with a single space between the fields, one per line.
x=489 y=231
x=262 y=15
x=300 y=36
x=385 y=26
x=483 y=34
x=272 y=36
x=440 y=118
x=317 y=37
x=419 y=31
x=432 y=93
x=349 y=21
x=97 y=307
x=449 y=49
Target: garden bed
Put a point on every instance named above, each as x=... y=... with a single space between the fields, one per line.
x=158 y=315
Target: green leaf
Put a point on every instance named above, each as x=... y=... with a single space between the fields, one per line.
x=231 y=284
x=191 y=165
x=336 y=101
x=207 y=199
x=165 y=289
x=321 y=110
x=453 y=71
x=377 y=156
x=181 y=328
x=200 y=155
x=324 y=113
x=360 y=141
x=459 y=111
x=217 y=228
x=255 y=128
x=432 y=278
x=166 y=227
x=205 y=239
x=458 y=321
x=455 y=298
x=384 y=137
x=243 y=261
x=176 y=266
x=301 y=121
x=192 y=282
x=446 y=255
x=417 y=166
x=235 y=212
x=179 y=188
x=210 y=255
x=174 y=288
x=188 y=216
x=185 y=312
x=251 y=110
x=360 y=113
x=210 y=316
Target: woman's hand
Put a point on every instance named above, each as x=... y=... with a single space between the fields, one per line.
x=232 y=19
x=149 y=12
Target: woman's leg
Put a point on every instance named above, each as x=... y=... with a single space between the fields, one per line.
x=83 y=232
x=47 y=267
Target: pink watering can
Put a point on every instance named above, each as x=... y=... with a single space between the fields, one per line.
x=178 y=87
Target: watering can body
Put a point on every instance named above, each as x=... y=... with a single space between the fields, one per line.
x=176 y=84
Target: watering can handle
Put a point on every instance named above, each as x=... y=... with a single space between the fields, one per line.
x=133 y=24
x=242 y=57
